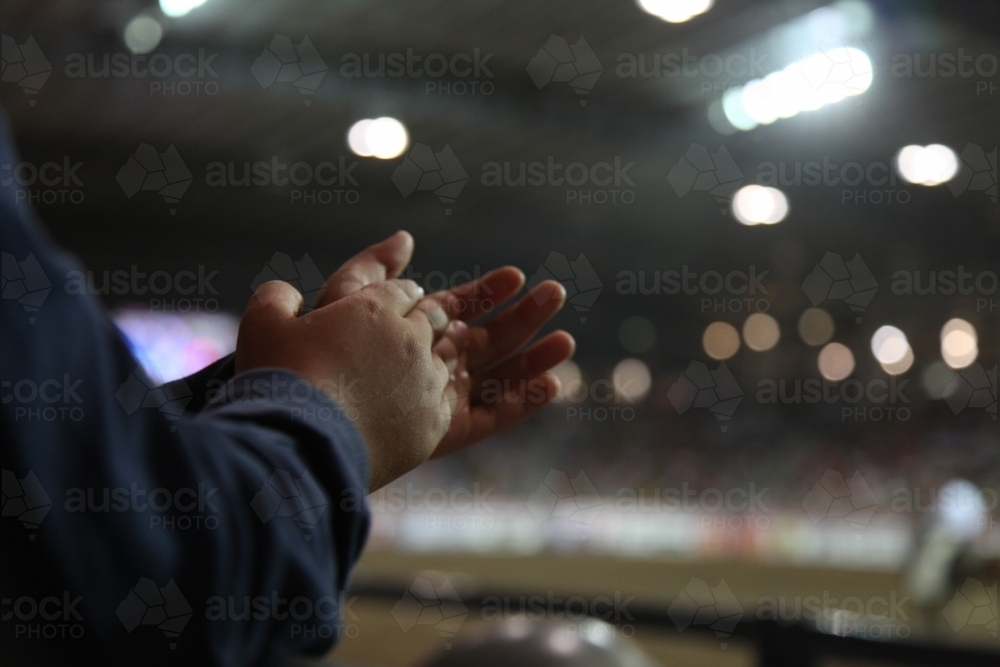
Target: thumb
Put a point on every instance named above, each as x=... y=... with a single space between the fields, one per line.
x=374 y=264
x=273 y=301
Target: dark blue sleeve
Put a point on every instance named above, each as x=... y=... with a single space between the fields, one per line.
x=136 y=532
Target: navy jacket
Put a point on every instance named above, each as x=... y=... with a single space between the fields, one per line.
x=191 y=523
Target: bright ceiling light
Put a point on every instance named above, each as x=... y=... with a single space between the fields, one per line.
x=384 y=138
x=959 y=343
x=825 y=77
x=901 y=366
x=732 y=107
x=759 y=205
x=143 y=34
x=927 y=165
x=717 y=119
x=676 y=11
x=889 y=345
x=178 y=8
x=356 y=138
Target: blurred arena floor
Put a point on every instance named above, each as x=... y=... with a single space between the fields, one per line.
x=379 y=639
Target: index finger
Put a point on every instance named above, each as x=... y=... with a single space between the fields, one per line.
x=435 y=314
x=383 y=261
x=398 y=296
x=470 y=301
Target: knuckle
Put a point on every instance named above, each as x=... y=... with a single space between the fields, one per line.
x=411 y=345
x=406 y=285
x=367 y=304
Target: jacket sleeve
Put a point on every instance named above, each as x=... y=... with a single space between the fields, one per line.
x=223 y=536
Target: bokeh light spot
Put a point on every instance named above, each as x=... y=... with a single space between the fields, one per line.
x=816 y=326
x=720 y=340
x=761 y=332
x=836 y=362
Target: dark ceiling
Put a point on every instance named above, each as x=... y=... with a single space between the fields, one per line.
x=650 y=122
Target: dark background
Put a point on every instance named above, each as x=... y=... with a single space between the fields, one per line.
x=650 y=122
